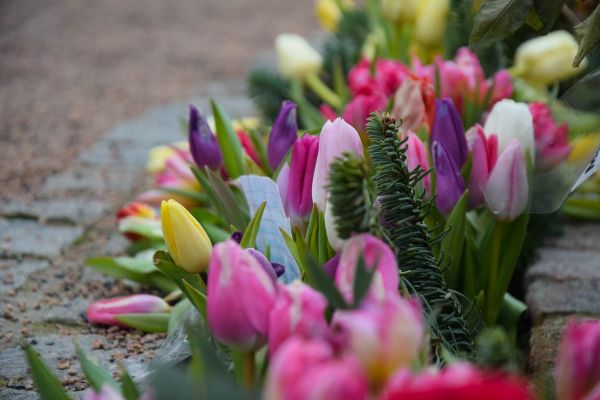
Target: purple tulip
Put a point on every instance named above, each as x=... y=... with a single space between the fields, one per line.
x=450 y=184
x=332 y=265
x=302 y=169
x=283 y=133
x=203 y=144
x=264 y=262
x=448 y=131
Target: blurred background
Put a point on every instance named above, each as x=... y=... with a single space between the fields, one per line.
x=72 y=69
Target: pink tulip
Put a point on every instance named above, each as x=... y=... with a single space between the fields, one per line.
x=388 y=76
x=302 y=169
x=507 y=189
x=103 y=312
x=107 y=392
x=360 y=107
x=384 y=336
x=336 y=138
x=135 y=209
x=551 y=140
x=577 y=373
x=503 y=87
x=416 y=155
x=299 y=310
x=283 y=180
x=327 y=112
x=376 y=255
x=409 y=105
x=484 y=153
x=308 y=369
x=240 y=296
x=458 y=381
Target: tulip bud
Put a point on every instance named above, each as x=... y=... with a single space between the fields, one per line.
x=577 y=372
x=299 y=311
x=158 y=155
x=416 y=155
x=308 y=369
x=548 y=58
x=357 y=111
x=332 y=265
x=103 y=312
x=107 y=392
x=296 y=57
x=507 y=189
x=186 y=240
x=283 y=133
x=302 y=169
x=336 y=138
x=138 y=210
x=377 y=256
x=430 y=24
x=448 y=131
x=400 y=10
x=263 y=261
x=384 y=336
x=510 y=120
x=388 y=76
x=484 y=155
x=240 y=295
x=409 y=105
x=328 y=14
x=203 y=143
x=450 y=185
x=247 y=145
x=551 y=140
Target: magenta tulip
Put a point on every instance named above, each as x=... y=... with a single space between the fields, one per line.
x=507 y=189
x=551 y=140
x=577 y=373
x=283 y=133
x=416 y=155
x=302 y=169
x=337 y=138
x=203 y=143
x=361 y=106
x=299 y=310
x=103 y=312
x=309 y=369
x=450 y=184
x=484 y=152
x=240 y=295
x=377 y=256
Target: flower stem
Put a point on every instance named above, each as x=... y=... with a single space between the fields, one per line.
x=491 y=308
x=249 y=368
x=323 y=91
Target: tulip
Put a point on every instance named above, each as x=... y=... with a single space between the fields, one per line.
x=377 y=256
x=503 y=87
x=450 y=183
x=400 y=10
x=262 y=261
x=107 y=392
x=159 y=154
x=336 y=138
x=138 y=210
x=332 y=234
x=384 y=337
x=547 y=59
x=240 y=295
x=389 y=75
x=551 y=140
x=430 y=24
x=416 y=156
x=186 y=240
x=484 y=152
x=247 y=145
x=302 y=169
x=409 y=105
x=103 y=312
x=511 y=120
x=507 y=189
x=283 y=133
x=328 y=113
x=328 y=14
x=308 y=369
x=577 y=373
x=296 y=58
x=456 y=381
x=448 y=131
x=332 y=265
x=283 y=180
x=357 y=111
x=203 y=143
x=299 y=311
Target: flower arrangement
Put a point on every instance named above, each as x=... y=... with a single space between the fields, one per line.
x=369 y=254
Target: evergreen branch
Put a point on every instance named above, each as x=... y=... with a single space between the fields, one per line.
x=403 y=210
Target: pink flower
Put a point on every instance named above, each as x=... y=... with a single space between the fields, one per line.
x=299 y=311
x=456 y=382
x=107 y=392
x=376 y=255
x=384 y=336
x=103 y=312
x=484 y=153
x=551 y=140
x=507 y=189
x=309 y=369
x=247 y=145
x=409 y=105
x=577 y=373
x=416 y=155
x=138 y=210
x=327 y=112
x=361 y=106
x=302 y=169
x=240 y=295
x=503 y=87
x=388 y=76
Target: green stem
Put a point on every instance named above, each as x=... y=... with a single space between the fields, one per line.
x=323 y=91
x=491 y=308
x=249 y=368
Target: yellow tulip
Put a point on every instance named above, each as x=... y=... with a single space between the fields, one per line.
x=400 y=10
x=188 y=243
x=328 y=14
x=159 y=154
x=296 y=58
x=430 y=23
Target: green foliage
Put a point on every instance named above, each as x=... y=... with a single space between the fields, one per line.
x=495 y=350
x=588 y=33
x=496 y=20
x=228 y=142
x=268 y=90
x=452 y=245
x=47 y=384
x=251 y=232
x=548 y=12
x=459 y=26
x=96 y=375
x=316 y=237
x=146 y=322
x=404 y=211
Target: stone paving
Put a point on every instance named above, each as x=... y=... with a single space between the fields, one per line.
x=45 y=287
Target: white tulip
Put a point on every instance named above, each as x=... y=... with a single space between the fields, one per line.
x=511 y=120
x=296 y=57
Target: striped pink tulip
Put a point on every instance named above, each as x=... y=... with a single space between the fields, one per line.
x=103 y=312
x=484 y=153
x=302 y=169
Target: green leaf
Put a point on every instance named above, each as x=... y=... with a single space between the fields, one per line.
x=512 y=243
x=548 y=12
x=128 y=387
x=459 y=26
x=362 y=280
x=147 y=228
x=496 y=20
x=177 y=312
x=251 y=232
x=149 y=322
x=215 y=233
x=197 y=197
x=47 y=384
x=197 y=298
x=96 y=375
x=452 y=245
x=228 y=142
x=588 y=33
x=291 y=245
